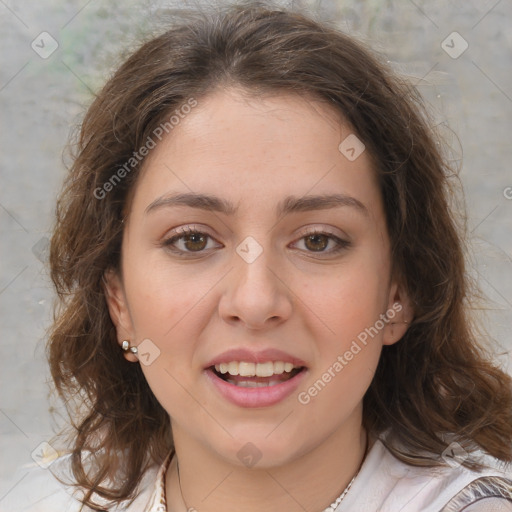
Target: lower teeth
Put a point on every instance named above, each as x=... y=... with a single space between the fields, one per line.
x=252 y=384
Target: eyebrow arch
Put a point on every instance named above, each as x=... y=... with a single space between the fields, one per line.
x=290 y=204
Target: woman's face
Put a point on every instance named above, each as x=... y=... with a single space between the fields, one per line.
x=255 y=242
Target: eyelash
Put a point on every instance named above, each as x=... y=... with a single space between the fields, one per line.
x=187 y=231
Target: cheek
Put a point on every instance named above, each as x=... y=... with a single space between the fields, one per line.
x=351 y=299
x=163 y=299
x=171 y=309
x=349 y=337
x=348 y=343
x=170 y=313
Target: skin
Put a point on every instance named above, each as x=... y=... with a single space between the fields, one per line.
x=253 y=152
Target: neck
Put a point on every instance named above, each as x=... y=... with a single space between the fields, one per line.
x=310 y=482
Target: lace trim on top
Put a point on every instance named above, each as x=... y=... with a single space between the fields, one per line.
x=485 y=487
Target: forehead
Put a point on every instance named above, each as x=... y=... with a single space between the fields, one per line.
x=245 y=147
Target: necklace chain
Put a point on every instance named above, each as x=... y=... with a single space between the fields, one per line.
x=334 y=505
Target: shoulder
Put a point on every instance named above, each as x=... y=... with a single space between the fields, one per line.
x=490 y=492
x=398 y=486
x=490 y=505
x=151 y=492
x=38 y=489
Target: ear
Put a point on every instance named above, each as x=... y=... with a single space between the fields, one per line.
x=399 y=313
x=118 y=309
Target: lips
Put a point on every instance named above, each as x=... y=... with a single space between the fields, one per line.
x=255 y=379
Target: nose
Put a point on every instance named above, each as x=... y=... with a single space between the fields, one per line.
x=256 y=294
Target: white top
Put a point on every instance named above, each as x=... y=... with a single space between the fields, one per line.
x=384 y=484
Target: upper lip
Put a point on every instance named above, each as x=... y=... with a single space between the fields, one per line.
x=253 y=356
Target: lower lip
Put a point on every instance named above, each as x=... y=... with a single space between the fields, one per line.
x=256 y=397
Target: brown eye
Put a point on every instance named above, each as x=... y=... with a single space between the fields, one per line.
x=188 y=241
x=317 y=242
x=195 y=241
x=323 y=243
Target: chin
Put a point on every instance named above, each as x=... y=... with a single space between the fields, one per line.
x=254 y=448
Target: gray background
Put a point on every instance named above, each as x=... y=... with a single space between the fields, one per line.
x=43 y=98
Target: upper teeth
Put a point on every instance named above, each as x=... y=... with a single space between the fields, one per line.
x=255 y=369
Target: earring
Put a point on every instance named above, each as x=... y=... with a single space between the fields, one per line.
x=126 y=347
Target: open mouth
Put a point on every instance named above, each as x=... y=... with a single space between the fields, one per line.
x=255 y=375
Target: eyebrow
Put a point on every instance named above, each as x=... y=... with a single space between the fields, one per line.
x=290 y=204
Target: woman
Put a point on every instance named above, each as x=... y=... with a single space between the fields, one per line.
x=263 y=295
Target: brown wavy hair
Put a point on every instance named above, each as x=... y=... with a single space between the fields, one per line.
x=438 y=381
